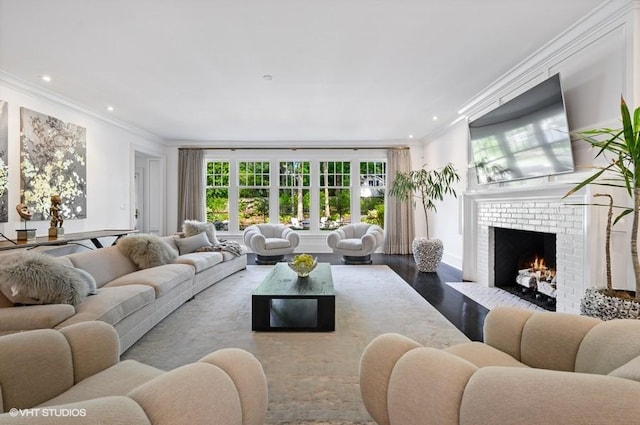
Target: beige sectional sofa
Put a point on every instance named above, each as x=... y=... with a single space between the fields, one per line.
x=73 y=376
x=533 y=368
x=131 y=299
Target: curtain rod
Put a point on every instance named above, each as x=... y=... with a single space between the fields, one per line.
x=400 y=148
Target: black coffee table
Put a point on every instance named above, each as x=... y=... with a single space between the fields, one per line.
x=286 y=302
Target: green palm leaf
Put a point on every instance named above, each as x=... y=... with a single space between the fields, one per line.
x=621 y=147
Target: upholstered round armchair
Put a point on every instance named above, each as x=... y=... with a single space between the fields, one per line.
x=270 y=242
x=356 y=242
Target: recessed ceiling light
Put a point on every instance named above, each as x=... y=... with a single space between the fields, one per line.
x=411 y=136
x=110 y=108
x=435 y=117
x=46 y=78
x=268 y=77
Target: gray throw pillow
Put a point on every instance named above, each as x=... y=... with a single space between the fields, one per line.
x=146 y=251
x=192 y=243
x=193 y=227
x=35 y=278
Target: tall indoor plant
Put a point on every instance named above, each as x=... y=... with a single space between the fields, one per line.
x=427 y=185
x=621 y=147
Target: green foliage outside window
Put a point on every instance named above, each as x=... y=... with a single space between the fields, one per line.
x=253 y=207
x=253 y=203
x=372 y=209
x=217 y=193
x=294 y=196
x=373 y=179
x=294 y=181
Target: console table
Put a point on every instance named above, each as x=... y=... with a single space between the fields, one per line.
x=69 y=237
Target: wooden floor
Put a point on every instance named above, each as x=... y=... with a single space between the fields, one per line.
x=463 y=312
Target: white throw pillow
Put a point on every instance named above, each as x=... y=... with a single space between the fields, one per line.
x=193 y=227
x=190 y=244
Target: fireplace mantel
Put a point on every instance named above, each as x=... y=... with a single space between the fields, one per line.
x=551 y=190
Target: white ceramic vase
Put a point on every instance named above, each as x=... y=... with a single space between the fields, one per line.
x=427 y=253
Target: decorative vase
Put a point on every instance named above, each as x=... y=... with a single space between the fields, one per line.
x=427 y=253
x=596 y=304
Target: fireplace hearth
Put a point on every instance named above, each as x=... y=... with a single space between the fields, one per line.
x=525 y=265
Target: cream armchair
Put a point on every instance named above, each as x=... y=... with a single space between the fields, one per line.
x=534 y=368
x=270 y=242
x=73 y=376
x=356 y=242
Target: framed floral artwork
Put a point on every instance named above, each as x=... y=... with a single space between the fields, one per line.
x=4 y=167
x=52 y=162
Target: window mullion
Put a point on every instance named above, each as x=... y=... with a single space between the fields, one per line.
x=274 y=191
x=314 y=213
x=355 y=191
x=234 y=192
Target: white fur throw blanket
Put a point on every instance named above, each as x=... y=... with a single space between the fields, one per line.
x=147 y=250
x=34 y=278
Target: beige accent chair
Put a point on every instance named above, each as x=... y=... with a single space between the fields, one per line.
x=356 y=242
x=534 y=368
x=270 y=241
x=73 y=375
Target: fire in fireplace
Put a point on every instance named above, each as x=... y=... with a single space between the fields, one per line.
x=538 y=277
x=524 y=264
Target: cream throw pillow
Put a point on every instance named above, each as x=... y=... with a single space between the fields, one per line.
x=193 y=227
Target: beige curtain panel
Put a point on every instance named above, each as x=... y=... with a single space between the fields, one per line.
x=190 y=186
x=399 y=227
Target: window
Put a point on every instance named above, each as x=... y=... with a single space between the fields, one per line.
x=253 y=193
x=293 y=199
x=335 y=194
x=373 y=180
x=309 y=191
x=217 y=194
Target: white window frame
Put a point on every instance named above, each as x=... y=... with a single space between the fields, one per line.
x=275 y=156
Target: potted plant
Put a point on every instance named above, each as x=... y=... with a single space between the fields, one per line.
x=428 y=186
x=621 y=147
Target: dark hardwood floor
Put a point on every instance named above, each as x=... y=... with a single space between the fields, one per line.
x=461 y=311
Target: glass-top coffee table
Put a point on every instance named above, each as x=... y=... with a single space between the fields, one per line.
x=286 y=302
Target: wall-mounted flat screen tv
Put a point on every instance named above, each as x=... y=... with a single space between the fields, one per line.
x=523 y=138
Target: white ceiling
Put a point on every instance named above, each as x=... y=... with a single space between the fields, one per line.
x=343 y=70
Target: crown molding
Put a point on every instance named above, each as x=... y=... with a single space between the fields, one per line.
x=600 y=20
x=248 y=144
x=30 y=89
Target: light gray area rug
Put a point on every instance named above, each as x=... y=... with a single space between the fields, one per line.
x=312 y=377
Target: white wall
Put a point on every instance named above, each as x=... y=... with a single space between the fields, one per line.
x=110 y=160
x=172 y=191
x=597 y=60
x=447 y=223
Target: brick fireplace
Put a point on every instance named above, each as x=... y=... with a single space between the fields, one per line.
x=533 y=209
